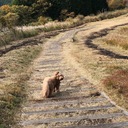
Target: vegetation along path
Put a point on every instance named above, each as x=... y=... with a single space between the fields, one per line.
x=79 y=104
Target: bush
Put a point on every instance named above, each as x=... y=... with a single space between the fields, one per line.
x=43 y=20
x=11 y=19
x=116 y=4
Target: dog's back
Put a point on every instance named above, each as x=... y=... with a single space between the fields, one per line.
x=48 y=86
x=45 y=88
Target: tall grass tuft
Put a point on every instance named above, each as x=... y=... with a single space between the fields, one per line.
x=13 y=35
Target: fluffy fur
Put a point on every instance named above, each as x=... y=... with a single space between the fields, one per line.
x=57 y=85
x=51 y=84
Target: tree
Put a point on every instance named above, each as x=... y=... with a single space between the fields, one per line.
x=24 y=13
x=7 y=22
x=39 y=8
x=3 y=2
x=15 y=2
x=83 y=7
x=23 y=2
x=5 y=9
x=56 y=8
x=29 y=10
x=100 y=7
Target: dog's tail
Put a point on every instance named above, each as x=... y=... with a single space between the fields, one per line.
x=46 y=92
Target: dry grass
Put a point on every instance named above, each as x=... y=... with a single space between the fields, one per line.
x=29 y=31
x=15 y=72
x=14 y=67
x=117 y=83
x=99 y=67
x=13 y=35
x=118 y=38
x=74 y=22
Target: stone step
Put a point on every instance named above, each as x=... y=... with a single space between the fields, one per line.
x=44 y=103
x=54 y=61
x=69 y=110
x=66 y=95
x=108 y=125
x=70 y=119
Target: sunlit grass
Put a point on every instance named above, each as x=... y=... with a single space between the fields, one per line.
x=118 y=38
x=117 y=84
x=98 y=67
x=15 y=66
x=29 y=31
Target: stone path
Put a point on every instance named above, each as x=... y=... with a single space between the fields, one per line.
x=78 y=105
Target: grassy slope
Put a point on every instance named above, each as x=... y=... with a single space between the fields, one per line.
x=15 y=73
x=14 y=70
x=117 y=83
x=106 y=70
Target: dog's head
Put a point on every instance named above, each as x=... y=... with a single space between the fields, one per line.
x=60 y=77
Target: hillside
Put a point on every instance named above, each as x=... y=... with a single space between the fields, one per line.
x=84 y=65
x=85 y=60
x=36 y=12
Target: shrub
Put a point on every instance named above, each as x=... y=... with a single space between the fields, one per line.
x=11 y=19
x=43 y=20
x=116 y=4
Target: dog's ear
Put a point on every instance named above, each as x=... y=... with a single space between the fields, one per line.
x=56 y=73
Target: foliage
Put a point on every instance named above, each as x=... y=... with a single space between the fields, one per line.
x=5 y=8
x=2 y=22
x=77 y=6
x=11 y=19
x=24 y=13
x=15 y=2
x=116 y=4
x=29 y=11
x=43 y=20
x=23 y=2
x=39 y=8
x=3 y=2
x=58 y=9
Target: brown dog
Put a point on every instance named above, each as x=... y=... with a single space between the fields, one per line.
x=50 y=84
